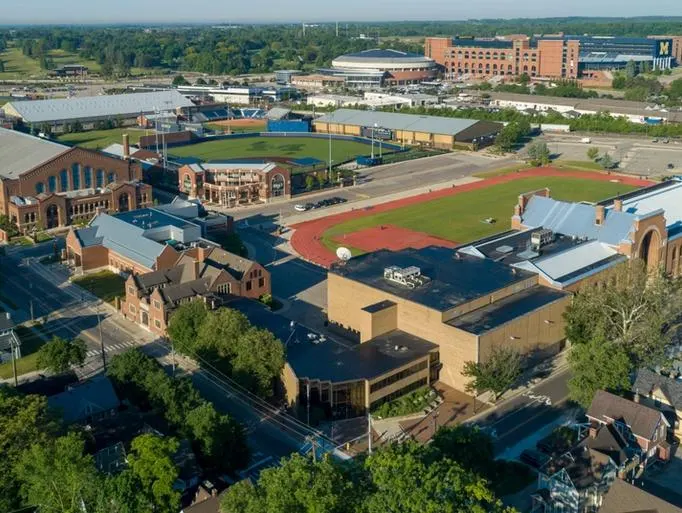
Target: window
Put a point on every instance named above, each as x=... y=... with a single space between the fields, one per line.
x=131 y=308
x=157 y=323
x=63 y=181
x=261 y=282
x=100 y=178
x=76 y=176
x=224 y=288
x=111 y=177
x=398 y=376
x=248 y=285
x=40 y=188
x=157 y=305
x=52 y=184
x=131 y=290
x=88 y=177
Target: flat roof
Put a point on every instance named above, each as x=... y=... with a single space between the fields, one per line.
x=148 y=218
x=382 y=56
x=86 y=107
x=331 y=360
x=20 y=152
x=668 y=198
x=261 y=167
x=453 y=278
x=505 y=310
x=397 y=121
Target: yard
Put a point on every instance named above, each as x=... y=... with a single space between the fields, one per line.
x=99 y=139
x=287 y=147
x=104 y=284
x=30 y=344
x=460 y=217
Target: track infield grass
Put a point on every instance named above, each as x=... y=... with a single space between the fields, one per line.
x=460 y=217
x=287 y=147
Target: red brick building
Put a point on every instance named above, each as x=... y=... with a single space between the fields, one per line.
x=235 y=184
x=45 y=185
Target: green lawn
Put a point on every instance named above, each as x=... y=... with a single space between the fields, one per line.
x=104 y=284
x=98 y=139
x=290 y=147
x=17 y=65
x=460 y=217
x=30 y=343
x=236 y=129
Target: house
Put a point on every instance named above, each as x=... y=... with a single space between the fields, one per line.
x=607 y=440
x=87 y=401
x=634 y=421
x=623 y=497
x=189 y=471
x=662 y=393
x=206 y=500
x=574 y=482
x=9 y=341
x=210 y=274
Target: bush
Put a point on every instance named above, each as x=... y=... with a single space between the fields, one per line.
x=414 y=402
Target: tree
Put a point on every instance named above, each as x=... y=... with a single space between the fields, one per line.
x=636 y=311
x=597 y=365
x=467 y=445
x=523 y=78
x=58 y=355
x=258 y=361
x=184 y=325
x=8 y=226
x=24 y=420
x=631 y=69
x=496 y=374
x=220 y=331
x=538 y=154
x=2 y=66
x=122 y=493
x=200 y=81
x=310 y=182
x=179 y=80
x=606 y=161
x=58 y=476
x=592 y=153
x=151 y=462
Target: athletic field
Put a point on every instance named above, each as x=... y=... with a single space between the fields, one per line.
x=100 y=139
x=287 y=147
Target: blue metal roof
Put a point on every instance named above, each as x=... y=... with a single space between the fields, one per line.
x=86 y=399
x=578 y=220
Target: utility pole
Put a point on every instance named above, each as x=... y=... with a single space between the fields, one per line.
x=101 y=340
x=30 y=299
x=329 y=174
x=373 y=128
x=307 y=402
x=369 y=433
x=13 y=349
x=173 y=355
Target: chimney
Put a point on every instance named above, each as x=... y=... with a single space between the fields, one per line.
x=599 y=214
x=618 y=205
x=593 y=431
x=214 y=492
x=521 y=206
x=126 y=147
x=637 y=397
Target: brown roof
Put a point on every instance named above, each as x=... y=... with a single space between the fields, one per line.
x=641 y=420
x=608 y=442
x=623 y=497
x=232 y=263
x=156 y=278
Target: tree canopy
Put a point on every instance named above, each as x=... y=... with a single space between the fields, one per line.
x=59 y=354
x=495 y=374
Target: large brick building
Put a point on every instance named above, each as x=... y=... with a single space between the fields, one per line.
x=558 y=56
x=45 y=185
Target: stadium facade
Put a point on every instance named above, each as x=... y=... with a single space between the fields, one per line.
x=376 y=68
x=556 y=56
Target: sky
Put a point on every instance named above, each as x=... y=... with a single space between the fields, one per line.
x=226 y=11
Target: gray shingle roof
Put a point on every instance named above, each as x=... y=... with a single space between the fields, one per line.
x=6 y=321
x=86 y=399
x=623 y=497
x=578 y=219
x=397 y=121
x=41 y=111
x=232 y=263
x=641 y=420
x=647 y=381
x=21 y=152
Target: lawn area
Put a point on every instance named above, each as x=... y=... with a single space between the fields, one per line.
x=290 y=147
x=460 y=217
x=104 y=284
x=98 y=139
x=578 y=164
x=30 y=343
x=17 y=65
x=236 y=129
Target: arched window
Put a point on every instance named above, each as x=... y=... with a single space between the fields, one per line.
x=503 y=55
x=277 y=185
x=88 y=177
x=63 y=181
x=111 y=177
x=40 y=188
x=76 y=176
x=52 y=184
x=495 y=56
x=487 y=55
x=100 y=178
x=494 y=66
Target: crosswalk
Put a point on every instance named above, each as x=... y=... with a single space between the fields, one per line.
x=120 y=347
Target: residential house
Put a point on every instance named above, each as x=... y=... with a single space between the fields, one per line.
x=662 y=393
x=9 y=341
x=206 y=500
x=87 y=401
x=624 y=497
x=607 y=440
x=574 y=483
x=210 y=274
x=646 y=426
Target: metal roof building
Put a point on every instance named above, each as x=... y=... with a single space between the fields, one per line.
x=94 y=108
x=20 y=152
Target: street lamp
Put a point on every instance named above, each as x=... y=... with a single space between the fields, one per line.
x=373 y=129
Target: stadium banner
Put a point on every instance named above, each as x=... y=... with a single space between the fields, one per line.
x=379 y=133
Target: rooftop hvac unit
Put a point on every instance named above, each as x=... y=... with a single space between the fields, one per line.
x=541 y=238
x=409 y=276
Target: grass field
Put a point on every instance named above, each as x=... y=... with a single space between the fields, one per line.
x=460 y=217
x=98 y=139
x=30 y=343
x=290 y=147
x=104 y=284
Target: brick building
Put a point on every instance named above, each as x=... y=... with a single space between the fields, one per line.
x=235 y=184
x=44 y=184
x=205 y=273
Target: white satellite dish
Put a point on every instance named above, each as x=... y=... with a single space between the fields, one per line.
x=344 y=254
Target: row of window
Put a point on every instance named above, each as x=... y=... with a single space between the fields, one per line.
x=60 y=183
x=88 y=208
x=398 y=376
x=494 y=55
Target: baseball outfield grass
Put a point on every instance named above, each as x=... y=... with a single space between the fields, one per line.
x=288 y=147
x=460 y=217
x=100 y=139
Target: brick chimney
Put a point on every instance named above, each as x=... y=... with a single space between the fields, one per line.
x=599 y=215
x=594 y=430
x=618 y=205
x=126 y=147
x=521 y=206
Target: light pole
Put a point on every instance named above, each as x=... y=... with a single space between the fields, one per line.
x=101 y=340
x=373 y=128
x=329 y=173
x=369 y=433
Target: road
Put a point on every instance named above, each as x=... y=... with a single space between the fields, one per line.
x=72 y=312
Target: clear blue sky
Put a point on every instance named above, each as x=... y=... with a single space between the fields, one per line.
x=220 y=11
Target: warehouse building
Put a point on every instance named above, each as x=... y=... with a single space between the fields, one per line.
x=88 y=110
x=411 y=129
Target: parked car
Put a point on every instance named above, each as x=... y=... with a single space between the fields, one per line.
x=300 y=208
x=654 y=140
x=586 y=140
x=534 y=459
x=671 y=165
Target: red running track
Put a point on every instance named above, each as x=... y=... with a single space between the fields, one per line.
x=306 y=238
x=389 y=236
